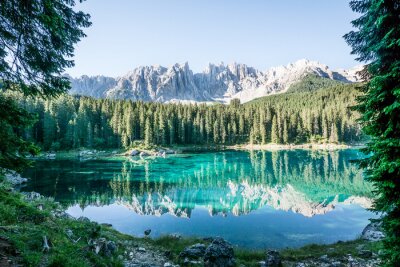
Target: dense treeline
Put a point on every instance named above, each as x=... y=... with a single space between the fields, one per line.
x=298 y=117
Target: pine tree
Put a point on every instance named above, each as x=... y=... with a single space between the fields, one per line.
x=285 y=136
x=49 y=127
x=216 y=135
x=242 y=129
x=274 y=131
x=171 y=127
x=148 y=133
x=263 y=130
x=334 y=137
x=377 y=43
x=325 y=128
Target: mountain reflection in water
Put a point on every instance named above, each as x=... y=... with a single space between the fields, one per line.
x=228 y=183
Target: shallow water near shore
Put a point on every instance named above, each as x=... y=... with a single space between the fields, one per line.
x=253 y=199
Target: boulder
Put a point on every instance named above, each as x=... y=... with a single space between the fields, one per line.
x=176 y=236
x=169 y=151
x=110 y=248
x=192 y=263
x=84 y=219
x=373 y=232
x=161 y=154
x=273 y=259
x=14 y=178
x=50 y=156
x=365 y=253
x=144 y=154
x=219 y=253
x=324 y=258
x=147 y=232
x=31 y=196
x=102 y=246
x=69 y=232
x=193 y=252
x=134 y=152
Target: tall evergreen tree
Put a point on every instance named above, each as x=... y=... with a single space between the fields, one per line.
x=377 y=42
x=148 y=133
x=274 y=130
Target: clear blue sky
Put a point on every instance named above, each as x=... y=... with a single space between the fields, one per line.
x=260 y=33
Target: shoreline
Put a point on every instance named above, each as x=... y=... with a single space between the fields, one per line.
x=88 y=153
x=307 y=146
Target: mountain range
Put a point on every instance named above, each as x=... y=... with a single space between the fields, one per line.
x=217 y=83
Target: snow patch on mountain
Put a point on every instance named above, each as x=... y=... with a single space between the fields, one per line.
x=217 y=83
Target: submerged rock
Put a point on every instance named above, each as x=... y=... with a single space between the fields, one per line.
x=144 y=154
x=219 y=253
x=169 y=151
x=161 y=154
x=134 y=152
x=50 y=156
x=147 y=232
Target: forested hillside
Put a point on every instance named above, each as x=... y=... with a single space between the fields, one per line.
x=312 y=82
x=298 y=117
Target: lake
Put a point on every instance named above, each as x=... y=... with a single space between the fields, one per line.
x=255 y=199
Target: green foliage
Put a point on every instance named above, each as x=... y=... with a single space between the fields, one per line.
x=322 y=115
x=338 y=249
x=13 y=121
x=36 y=41
x=312 y=82
x=376 y=42
x=38 y=37
x=25 y=225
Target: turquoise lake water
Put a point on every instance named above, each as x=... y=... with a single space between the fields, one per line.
x=253 y=199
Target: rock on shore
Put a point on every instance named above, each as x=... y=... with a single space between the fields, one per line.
x=14 y=178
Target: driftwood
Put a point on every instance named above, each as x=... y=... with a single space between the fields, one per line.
x=74 y=241
x=46 y=246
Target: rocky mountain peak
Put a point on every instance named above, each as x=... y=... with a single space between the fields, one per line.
x=218 y=82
